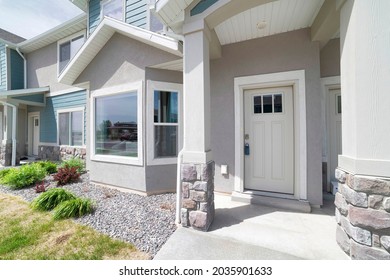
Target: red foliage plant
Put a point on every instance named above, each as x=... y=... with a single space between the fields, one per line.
x=40 y=187
x=66 y=175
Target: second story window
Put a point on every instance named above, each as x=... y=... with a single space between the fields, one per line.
x=113 y=8
x=67 y=49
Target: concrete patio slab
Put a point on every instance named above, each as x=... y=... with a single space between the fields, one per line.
x=250 y=231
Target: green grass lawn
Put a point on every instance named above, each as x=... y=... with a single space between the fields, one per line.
x=32 y=235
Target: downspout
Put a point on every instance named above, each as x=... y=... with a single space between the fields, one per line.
x=178 y=186
x=25 y=66
x=14 y=111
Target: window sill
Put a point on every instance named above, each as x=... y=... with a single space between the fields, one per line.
x=117 y=159
x=162 y=161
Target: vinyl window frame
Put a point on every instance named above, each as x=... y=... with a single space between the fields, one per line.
x=68 y=39
x=70 y=110
x=152 y=86
x=136 y=87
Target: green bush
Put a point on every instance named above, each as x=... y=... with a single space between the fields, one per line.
x=26 y=175
x=49 y=166
x=51 y=198
x=74 y=162
x=72 y=208
x=3 y=173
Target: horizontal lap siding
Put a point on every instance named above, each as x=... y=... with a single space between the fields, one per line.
x=136 y=13
x=3 y=66
x=34 y=98
x=94 y=14
x=48 y=114
x=17 y=70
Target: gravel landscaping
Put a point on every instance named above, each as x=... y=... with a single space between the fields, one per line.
x=145 y=221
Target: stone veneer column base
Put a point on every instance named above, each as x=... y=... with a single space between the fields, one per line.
x=6 y=155
x=363 y=216
x=197 y=207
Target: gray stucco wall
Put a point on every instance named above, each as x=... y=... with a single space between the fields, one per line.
x=42 y=69
x=124 y=60
x=330 y=59
x=283 y=52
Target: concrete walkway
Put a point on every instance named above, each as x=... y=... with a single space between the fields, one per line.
x=244 y=231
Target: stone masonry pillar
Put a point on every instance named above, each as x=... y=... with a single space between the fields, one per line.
x=197 y=169
x=363 y=199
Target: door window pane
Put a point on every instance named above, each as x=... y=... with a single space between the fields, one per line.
x=64 y=128
x=257 y=104
x=278 y=107
x=267 y=100
x=165 y=141
x=116 y=125
x=338 y=102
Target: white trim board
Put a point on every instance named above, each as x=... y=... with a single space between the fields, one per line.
x=296 y=79
x=69 y=110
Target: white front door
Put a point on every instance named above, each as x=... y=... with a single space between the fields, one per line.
x=35 y=135
x=334 y=130
x=269 y=140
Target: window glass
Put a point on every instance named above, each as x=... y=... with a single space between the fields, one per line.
x=257 y=104
x=113 y=8
x=267 y=102
x=116 y=125
x=64 y=55
x=77 y=128
x=338 y=104
x=64 y=128
x=278 y=107
x=165 y=123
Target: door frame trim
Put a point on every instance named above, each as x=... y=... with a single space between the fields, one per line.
x=327 y=84
x=30 y=131
x=296 y=79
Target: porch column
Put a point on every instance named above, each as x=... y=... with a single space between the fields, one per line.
x=363 y=200
x=197 y=168
x=8 y=136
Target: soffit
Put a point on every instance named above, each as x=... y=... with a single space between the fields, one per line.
x=277 y=16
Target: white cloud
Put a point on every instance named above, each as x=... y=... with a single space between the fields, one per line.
x=29 y=18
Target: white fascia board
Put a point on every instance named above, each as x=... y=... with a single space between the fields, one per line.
x=102 y=34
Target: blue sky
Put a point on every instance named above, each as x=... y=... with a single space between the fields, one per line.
x=29 y=18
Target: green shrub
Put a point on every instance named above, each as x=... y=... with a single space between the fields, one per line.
x=75 y=162
x=51 y=198
x=66 y=175
x=26 y=175
x=72 y=208
x=49 y=166
x=3 y=173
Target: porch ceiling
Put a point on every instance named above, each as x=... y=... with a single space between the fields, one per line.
x=268 y=19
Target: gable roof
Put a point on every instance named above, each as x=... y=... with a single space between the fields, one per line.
x=104 y=31
x=10 y=37
x=53 y=35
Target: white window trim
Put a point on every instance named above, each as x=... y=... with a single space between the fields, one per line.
x=137 y=87
x=123 y=11
x=29 y=131
x=69 y=38
x=296 y=79
x=162 y=86
x=69 y=110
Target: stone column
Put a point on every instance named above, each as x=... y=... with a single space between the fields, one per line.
x=197 y=170
x=363 y=210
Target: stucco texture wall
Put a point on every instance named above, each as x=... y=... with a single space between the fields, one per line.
x=278 y=53
x=123 y=60
x=330 y=59
x=42 y=69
